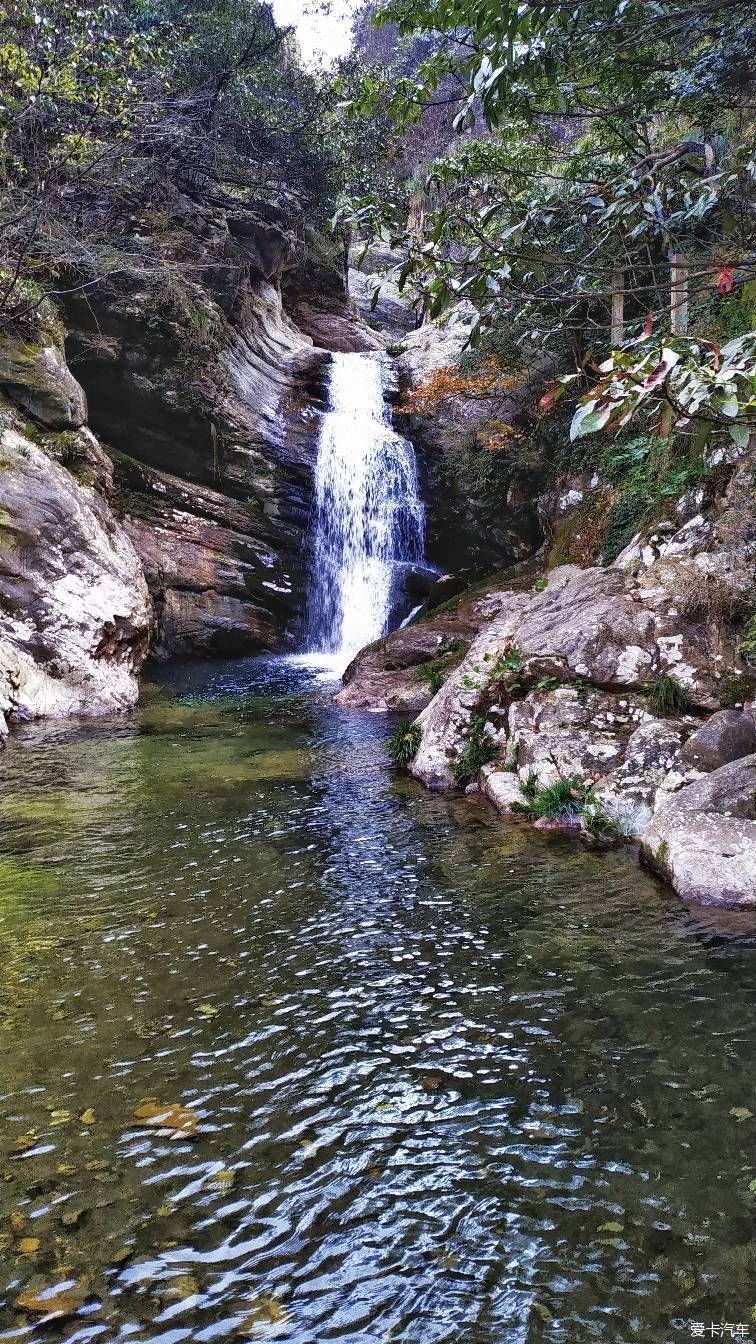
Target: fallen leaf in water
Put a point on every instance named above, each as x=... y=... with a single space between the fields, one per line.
x=222 y=1180
x=123 y=1254
x=88 y=1116
x=66 y=1169
x=181 y=1121
x=264 y=1311
x=208 y=1010
x=179 y=1288
x=542 y=1312
x=741 y=1113
x=50 y=1304
x=430 y=1084
x=28 y=1245
x=60 y=1117
x=71 y=1217
x=26 y=1141
x=16 y=1223
x=612 y=1227
x=375 y=1173
x=165 y=1210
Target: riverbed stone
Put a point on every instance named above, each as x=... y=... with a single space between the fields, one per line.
x=502 y=788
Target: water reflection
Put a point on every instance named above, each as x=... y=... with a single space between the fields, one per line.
x=452 y=1083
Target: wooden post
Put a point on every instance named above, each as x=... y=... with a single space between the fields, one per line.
x=679 y=294
x=618 y=306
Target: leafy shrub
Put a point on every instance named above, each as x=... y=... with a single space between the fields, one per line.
x=435 y=673
x=404 y=743
x=433 y=676
x=667 y=696
x=479 y=749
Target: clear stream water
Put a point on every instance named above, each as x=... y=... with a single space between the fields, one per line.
x=369 y=518
x=452 y=1082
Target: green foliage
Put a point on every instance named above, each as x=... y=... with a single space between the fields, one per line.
x=684 y=378
x=736 y=688
x=479 y=749
x=623 y=521
x=587 y=161
x=404 y=743
x=667 y=696
x=606 y=825
x=435 y=673
x=547 y=683
x=560 y=801
x=747 y=643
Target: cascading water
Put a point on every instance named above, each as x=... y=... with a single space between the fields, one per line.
x=369 y=518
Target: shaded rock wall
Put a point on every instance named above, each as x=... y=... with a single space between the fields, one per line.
x=75 y=613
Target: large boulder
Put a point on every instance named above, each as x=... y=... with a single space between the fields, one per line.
x=649 y=754
x=75 y=613
x=593 y=624
x=446 y=721
x=35 y=377
x=726 y=736
x=703 y=841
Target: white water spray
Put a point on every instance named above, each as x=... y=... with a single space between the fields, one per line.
x=369 y=520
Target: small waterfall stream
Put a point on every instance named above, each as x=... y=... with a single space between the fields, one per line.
x=369 y=518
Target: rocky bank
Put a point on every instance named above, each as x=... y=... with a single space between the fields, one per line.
x=622 y=688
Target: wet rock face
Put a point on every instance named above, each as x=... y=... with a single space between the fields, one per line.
x=75 y=614
x=703 y=841
x=35 y=377
x=221 y=580
x=207 y=388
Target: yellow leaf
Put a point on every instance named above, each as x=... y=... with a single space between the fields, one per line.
x=741 y=1113
x=88 y=1116
x=208 y=1010
x=60 y=1117
x=28 y=1245
x=16 y=1223
x=181 y=1121
x=26 y=1141
x=50 y=1304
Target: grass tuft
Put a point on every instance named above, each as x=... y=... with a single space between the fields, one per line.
x=404 y=743
x=668 y=696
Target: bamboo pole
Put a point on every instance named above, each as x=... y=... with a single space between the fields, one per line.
x=679 y=294
x=618 y=306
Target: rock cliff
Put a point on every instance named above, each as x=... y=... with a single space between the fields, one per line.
x=189 y=535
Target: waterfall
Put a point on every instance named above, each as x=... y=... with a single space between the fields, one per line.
x=369 y=519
